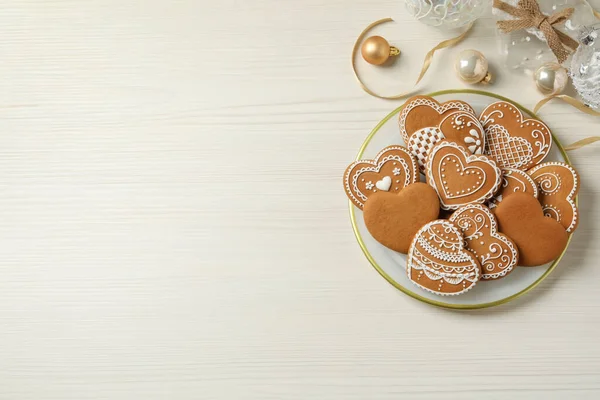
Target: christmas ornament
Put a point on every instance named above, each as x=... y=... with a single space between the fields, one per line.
x=527 y=15
x=424 y=68
x=376 y=50
x=585 y=73
x=472 y=67
x=447 y=14
x=551 y=78
x=527 y=49
x=585 y=67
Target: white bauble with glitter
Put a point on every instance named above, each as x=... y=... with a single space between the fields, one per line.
x=585 y=66
x=527 y=49
x=447 y=14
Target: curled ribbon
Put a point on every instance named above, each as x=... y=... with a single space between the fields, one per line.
x=578 y=105
x=424 y=68
x=581 y=143
x=596 y=13
x=569 y=100
x=528 y=15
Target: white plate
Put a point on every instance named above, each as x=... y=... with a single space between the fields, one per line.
x=392 y=265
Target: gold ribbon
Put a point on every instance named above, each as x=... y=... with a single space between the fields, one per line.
x=424 y=68
x=528 y=15
x=578 y=105
x=569 y=100
x=596 y=13
x=581 y=143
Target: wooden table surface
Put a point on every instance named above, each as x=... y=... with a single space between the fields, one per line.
x=173 y=224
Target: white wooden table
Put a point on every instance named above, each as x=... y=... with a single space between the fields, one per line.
x=173 y=223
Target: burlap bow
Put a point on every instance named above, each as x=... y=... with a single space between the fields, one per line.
x=528 y=15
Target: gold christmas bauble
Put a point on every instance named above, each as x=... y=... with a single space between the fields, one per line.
x=376 y=50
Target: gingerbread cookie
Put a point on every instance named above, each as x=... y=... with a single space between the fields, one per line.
x=514 y=180
x=512 y=140
x=439 y=263
x=393 y=219
x=391 y=170
x=559 y=184
x=539 y=239
x=496 y=253
x=459 y=126
x=460 y=178
x=421 y=112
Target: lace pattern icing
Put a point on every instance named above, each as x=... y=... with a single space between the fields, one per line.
x=476 y=222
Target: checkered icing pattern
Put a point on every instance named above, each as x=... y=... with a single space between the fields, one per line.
x=421 y=143
x=509 y=152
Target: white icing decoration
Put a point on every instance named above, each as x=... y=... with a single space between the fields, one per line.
x=487 y=119
x=541 y=137
x=476 y=222
x=549 y=183
x=508 y=151
x=522 y=183
x=552 y=212
x=428 y=102
x=546 y=186
x=421 y=143
x=369 y=185
x=396 y=171
x=397 y=154
x=482 y=178
x=384 y=184
x=459 y=120
x=435 y=252
x=469 y=191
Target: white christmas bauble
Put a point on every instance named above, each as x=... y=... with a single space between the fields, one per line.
x=585 y=66
x=447 y=14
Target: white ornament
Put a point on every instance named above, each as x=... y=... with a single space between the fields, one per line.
x=448 y=14
x=585 y=66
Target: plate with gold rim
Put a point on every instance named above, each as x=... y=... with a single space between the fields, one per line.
x=392 y=265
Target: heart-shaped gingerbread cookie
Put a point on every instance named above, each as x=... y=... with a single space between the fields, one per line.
x=460 y=178
x=391 y=170
x=458 y=126
x=421 y=112
x=496 y=253
x=558 y=184
x=393 y=219
x=512 y=140
x=539 y=239
x=439 y=263
x=514 y=180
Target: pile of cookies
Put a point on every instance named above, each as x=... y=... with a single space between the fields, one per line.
x=488 y=204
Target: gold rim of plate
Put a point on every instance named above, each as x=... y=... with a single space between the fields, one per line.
x=410 y=292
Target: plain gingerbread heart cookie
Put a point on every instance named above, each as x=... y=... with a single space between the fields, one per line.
x=391 y=170
x=496 y=253
x=559 y=184
x=514 y=180
x=393 y=219
x=439 y=263
x=539 y=239
x=512 y=140
x=460 y=178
